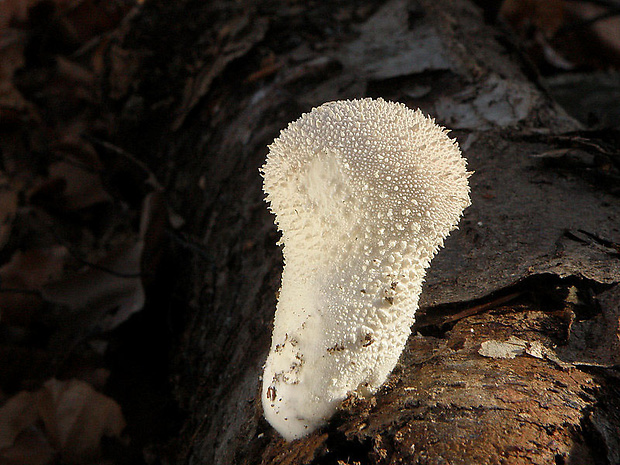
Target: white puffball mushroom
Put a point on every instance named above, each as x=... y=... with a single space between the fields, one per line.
x=364 y=193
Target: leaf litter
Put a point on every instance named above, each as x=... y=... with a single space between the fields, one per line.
x=63 y=420
x=76 y=254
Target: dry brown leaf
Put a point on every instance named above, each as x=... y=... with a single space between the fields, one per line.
x=105 y=296
x=74 y=181
x=16 y=415
x=33 y=268
x=8 y=208
x=73 y=72
x=546 y=16
x=74 y=148
x=109 y=293
x=566 y=34
x=74 y=419
x=153 y=224
x=12 y=43
x=14 y=11
x=87 y=19
x=602 y=35
x=83 y=188
x=70 y=186
x=124 y=65
x=536 y=22
x=31 y=447
x=28 y=271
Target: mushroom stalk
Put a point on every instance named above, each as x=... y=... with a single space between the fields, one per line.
x=364 y=193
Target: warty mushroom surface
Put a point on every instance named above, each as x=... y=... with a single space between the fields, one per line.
x=364 y=193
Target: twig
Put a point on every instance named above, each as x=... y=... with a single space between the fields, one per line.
x=152 y=179
x=77 y=256
x=481 y=308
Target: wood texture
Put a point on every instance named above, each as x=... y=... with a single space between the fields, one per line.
x=536 y=256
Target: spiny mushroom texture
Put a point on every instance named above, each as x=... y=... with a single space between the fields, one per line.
x=364 y=193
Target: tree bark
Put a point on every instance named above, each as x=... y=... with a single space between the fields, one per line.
x=514 y=355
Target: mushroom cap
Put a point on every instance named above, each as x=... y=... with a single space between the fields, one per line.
x=363 y=164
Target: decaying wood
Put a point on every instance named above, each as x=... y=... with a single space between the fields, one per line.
x=529 y=379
